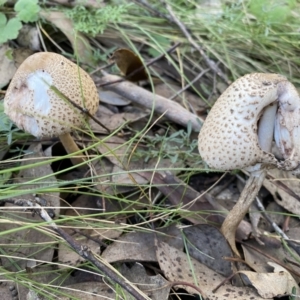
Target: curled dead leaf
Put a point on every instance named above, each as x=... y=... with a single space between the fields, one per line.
x=79 y=43
x=177 y=267
x=276 y=284
x=129 y=63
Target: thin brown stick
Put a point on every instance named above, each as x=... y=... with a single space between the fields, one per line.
x=83 y=110
x=285 y=239
x=262 y=210
x=282 y=186
x=154 y=11
x=187 y=284
x=189 y=84
x=223 y=282
x=270 y=257
x=85 y=252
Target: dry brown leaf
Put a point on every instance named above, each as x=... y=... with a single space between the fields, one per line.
x=6 y=290
x=102 y=170
x=294 y=233
x=206 y=244
x=186 y=99
x=255 y=258
x=276 y=284
x=276 y=213
x=80 y=44
x=94 y=228
x=68 y=257
x=43 y=274
x=29 y=37
x=139 y=246
x=103 y=229
x=114 y=121
x=179 y=193
x=115 y=149
x=37 y=155
x=128 y=62
x=177 y=267
x=156 y=287
x=123 y=176
x=285 y=200
x=89 y=291
x=159 y=164
x=29 y=243
x=124 y=180
x=113 y=98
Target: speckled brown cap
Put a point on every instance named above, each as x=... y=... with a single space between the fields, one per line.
x=34 y=106
x=228 y=139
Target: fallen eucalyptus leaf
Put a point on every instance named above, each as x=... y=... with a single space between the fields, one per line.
x=177 y=267
x=277 y=284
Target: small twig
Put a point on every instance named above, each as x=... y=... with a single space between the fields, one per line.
x=28 y=203
x=286 y=240
x=172 y=110
x=263 y=253
x=83 y=110
x=211 y=64
x=85 y=252
x=266 y=216
x=292 y=262
x=88 y=236
x=283 y=186
x=102 y=68
x=189 y=84
x=153 y=10
x=187 y=284
x=223 y=282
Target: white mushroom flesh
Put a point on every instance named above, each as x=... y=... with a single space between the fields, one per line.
x=287 y=127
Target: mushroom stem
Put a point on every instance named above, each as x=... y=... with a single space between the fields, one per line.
x=72 y=147
x=254 y=182
x=236 y=215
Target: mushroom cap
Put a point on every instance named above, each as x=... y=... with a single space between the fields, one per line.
x=33 y=103
x=228 y=138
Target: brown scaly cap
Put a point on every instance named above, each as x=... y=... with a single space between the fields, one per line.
x=228 y=139
x=35 y=106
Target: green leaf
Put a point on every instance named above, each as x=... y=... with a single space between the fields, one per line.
x=27 y=10
x=272 y=11
x=9 y=30
x=2 y=19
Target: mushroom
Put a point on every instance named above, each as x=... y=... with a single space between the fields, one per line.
x=239 y=131
x=40 y=95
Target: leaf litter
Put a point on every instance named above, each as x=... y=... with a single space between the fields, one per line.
x=134 y=206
